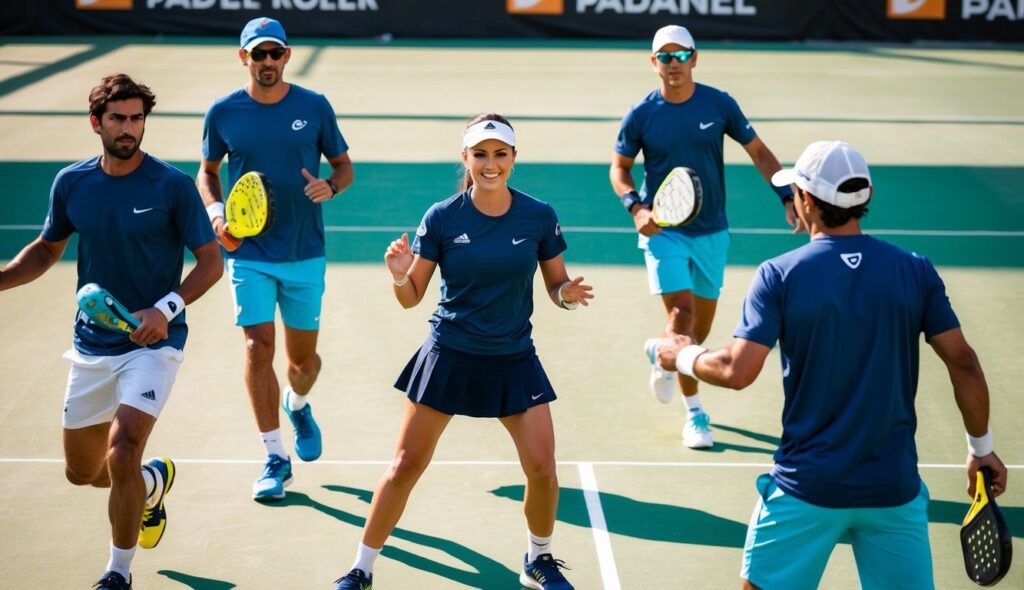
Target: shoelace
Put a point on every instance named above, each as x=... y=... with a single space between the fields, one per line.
x=112 y=582
x=355 y=576
x=549 y=568
x=273 y=467
x=305 y=427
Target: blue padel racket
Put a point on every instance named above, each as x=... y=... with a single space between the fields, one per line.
x=105 y=311
x=985 y=537
x=678 y=199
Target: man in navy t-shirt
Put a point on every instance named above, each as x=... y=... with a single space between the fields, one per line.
x=281 y=130
x=847 y=311
x=684 y=124
x=134 y=215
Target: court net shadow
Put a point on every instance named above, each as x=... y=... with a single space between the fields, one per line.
x=195 y=582
x=645 y=520
x=721 y=446
x=947 y=512
x=486 y=574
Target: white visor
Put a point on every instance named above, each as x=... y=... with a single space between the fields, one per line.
x=488 y=130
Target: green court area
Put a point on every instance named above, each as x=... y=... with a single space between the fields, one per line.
x=955 y=215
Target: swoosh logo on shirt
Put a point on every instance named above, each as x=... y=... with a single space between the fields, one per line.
x=704 y=126
x=516 y=242
x=137 y=211
x=535 y=397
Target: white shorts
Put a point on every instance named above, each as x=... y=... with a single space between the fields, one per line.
x=97 y=385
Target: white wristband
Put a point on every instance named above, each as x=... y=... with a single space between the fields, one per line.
x=401 y=281
x=215 y=210
x=562 y=302
x=171 y=305
x=687 y=357
x=981 y=445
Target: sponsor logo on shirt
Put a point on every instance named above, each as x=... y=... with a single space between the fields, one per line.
x=463 y=239
x=535 y=6
x=150 y=395
x=103 y=4
x=421 y=230
x=704 y=126
x=516 y=242
x=558 y=229
x=136 y=210
x=298 y=124
x=852 y=259
x=916 y=9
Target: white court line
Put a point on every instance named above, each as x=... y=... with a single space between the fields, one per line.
x=628 y=230
x=598 y=526
x=492 y=463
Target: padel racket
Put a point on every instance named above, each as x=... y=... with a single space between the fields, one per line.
x=249 y=210
x=984 y=536
x=678 y=199
x=105 y=311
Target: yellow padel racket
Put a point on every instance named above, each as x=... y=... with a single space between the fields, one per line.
x=985 y=537
x=249 y=210
x=678 y=199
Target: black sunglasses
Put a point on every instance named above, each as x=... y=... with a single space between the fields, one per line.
x=682 y=55
x=261 y=54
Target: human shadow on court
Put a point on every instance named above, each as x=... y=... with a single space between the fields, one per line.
x=945 y=511
x=488 y=574
x=721 y=447
x=644 y=520
x=195 y=582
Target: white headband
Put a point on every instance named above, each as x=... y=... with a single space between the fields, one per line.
x=488 y=130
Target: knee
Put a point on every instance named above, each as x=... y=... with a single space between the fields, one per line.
x=124 y=458
x=80 y=475
x=259 y=348
x=406 y=469
x=542 y=472
x=308 y=367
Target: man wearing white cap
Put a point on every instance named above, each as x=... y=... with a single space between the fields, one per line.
x=847 y=311
x=281 y=130
x=683 y=123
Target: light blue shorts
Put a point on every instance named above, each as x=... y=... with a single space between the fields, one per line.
x=678 y=262
x=259 y=287
x=789 y=542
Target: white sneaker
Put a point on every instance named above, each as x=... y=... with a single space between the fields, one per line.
x=697 y=432
x=663 y=383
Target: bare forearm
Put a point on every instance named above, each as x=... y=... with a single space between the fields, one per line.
x=208 y=270
x=621 y=179
x=342 y=175
x=30 y=264
x=210 y=187
x=971 y=393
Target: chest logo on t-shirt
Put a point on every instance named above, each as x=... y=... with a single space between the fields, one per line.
x=463 y=239
x=852 y=259
x=704 y=126
x=298 y=124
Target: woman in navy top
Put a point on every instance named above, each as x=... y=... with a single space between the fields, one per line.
x=479 y=359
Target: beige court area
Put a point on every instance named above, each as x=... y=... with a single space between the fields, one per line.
x=638 y=509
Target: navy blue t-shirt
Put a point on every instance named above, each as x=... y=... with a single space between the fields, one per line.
x=687 y=134
x=278 y=140
x=848 y=312
x=132 y=233
x=487 y=267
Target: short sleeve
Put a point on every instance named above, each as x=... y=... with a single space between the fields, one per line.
x=736 y=124
x=190 y=216
x=331 y=142
x=57 y=227
x=761 y=321
x=628 y=142
x=552 y=243
x=214 y=148
x=428 y=235
x=938 y=314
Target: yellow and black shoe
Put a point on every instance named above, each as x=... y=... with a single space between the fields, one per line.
x=154 y=519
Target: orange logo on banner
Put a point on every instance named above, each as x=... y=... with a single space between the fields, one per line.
x=916 y=9
x=103 y=4
x=535 y=6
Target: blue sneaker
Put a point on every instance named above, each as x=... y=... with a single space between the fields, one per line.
x=276 y=476
x=354 y=580
x=542 y=573
x=308 y=444
x=113 y=581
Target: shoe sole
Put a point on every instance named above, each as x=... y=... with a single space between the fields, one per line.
x=528 y=582
x=168 y=484
x=273 y=498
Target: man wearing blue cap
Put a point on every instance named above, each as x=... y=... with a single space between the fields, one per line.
x=280 y=130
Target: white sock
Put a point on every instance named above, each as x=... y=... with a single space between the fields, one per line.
x=295 y=401
x=538 y=546
x=693 y=404
x=365 y=557
x=120 y=560
x=272 y=441
x=154 y=481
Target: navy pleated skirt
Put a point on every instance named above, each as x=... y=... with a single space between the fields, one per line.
x=479 y=385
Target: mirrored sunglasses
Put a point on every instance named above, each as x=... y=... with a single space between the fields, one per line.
x=683 y=56
x=261 y=54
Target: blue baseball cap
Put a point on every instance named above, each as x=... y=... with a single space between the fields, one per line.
x=263 y=29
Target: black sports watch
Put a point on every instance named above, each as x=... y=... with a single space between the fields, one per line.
x=334 y=186
x=629 y=199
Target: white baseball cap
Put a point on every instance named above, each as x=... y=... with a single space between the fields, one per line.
x=488 y=129
x=672 y=34
x=823 y=167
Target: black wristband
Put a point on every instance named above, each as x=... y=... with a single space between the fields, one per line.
x=629 y=199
